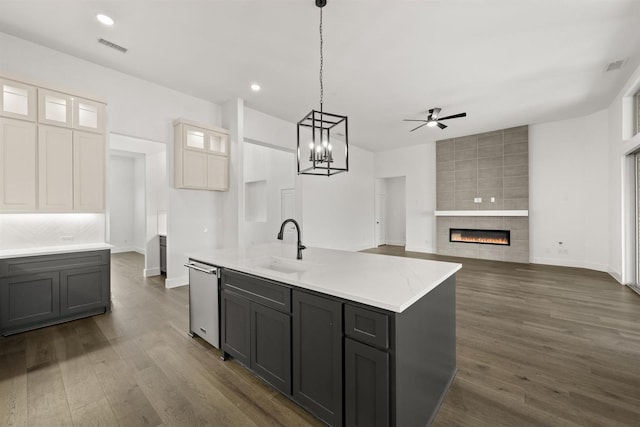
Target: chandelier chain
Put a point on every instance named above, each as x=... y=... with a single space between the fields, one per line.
x=321 y=63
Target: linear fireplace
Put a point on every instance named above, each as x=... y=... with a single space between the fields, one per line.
x=484 y=237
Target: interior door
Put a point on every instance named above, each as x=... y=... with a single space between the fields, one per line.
x=288 y=210
x=381 y=207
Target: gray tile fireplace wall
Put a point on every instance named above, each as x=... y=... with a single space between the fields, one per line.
x=493 y=169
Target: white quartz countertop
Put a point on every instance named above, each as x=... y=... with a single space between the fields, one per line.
x=387 y=282
x=50 y=250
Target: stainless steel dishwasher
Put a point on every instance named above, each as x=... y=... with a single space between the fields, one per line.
x=204 y=306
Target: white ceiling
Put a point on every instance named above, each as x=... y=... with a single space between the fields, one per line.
x=505 y=62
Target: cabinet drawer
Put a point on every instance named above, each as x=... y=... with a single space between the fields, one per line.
x=39 y=263
x=368 y=326
x=257 y=289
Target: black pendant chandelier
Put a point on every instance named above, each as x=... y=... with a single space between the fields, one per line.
x=323 y=138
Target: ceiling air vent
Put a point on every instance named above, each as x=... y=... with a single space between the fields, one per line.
x=616 y=65
x=113 y=45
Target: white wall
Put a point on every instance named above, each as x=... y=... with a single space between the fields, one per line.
x=136 y=108
x=418 y=166
x=568 y=192
x=395 y=215
x=271 y=170
x=121 y=202
x=156 y=207
x=338 y=211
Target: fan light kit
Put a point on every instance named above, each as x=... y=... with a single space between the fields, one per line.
x=433 y=119
x=317 y=131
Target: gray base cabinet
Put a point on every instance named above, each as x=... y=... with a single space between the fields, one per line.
x=255 y=324
x=317 y=355
x=347 y=363
x=366 y=385
x=39 y=291
x=163 y=254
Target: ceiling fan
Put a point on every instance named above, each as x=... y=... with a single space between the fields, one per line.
x=433 y=119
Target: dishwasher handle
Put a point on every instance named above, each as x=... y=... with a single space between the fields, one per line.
x=196 y=267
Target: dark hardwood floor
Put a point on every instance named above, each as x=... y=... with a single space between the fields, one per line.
x=537 y=345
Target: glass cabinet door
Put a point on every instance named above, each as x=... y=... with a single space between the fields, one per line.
x=88 y=115
x=17 y=100
x=217 y=143
x=54 y=108
x=194 y=138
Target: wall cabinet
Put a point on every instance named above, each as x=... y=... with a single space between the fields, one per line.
x=255 y=324
x=18 y=100
x=201 y=157
x=38 y=291
x=17 y=165
x=52 y=151
x=55 y=168
x=71 y=170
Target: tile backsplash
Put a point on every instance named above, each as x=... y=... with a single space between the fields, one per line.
x=21 y=231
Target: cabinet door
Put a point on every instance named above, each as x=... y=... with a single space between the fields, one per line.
x=29 y=300
x=271 y=346
x=217 y=172
x=88 y=115
x=54 y=108
x=83 y=290
x=55 y=166
x=88 y=172
x=235 y=326
x=366 y=385
x=317 y=356
x=17 y=165
x=17 y=100
x=218 y=143
x=194 y=169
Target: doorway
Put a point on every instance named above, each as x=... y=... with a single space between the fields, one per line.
x=390 y=211
x=138 y=192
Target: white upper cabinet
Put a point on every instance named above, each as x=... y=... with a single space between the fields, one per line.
x=88 y=115
x=201 y=157
x=17 y=100
x=55 y=161
x=17 y=165
x=54 y=108
x=89 y=158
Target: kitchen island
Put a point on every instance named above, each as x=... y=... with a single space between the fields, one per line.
x=357 y=339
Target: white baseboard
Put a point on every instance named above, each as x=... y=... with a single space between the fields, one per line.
x=570 y=263
x=423 y=249
x=616 y=276
x=120 y=249
x=396 y=242
x=174 y=282
x=148 y=272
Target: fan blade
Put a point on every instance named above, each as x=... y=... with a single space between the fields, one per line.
x=435 y=113
x=411 y=120
x=455 y=116
x=424 y=124
x=442 y=125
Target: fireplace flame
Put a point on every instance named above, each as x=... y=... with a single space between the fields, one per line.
x=457 y=236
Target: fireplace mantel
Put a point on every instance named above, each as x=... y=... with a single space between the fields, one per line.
x=483 y=213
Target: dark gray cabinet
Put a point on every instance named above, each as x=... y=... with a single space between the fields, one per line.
x=163 y=254
x=37 y=291
x=255 y=324
x=235 y=326
x=271 y=346
x=366 y=385
x=317 y=355
x=29 y=299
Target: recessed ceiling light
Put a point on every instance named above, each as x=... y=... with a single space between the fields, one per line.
x=255 y=87
x=106 y=20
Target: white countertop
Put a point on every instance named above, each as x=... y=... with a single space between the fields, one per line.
x=50 y=250
x=387 y=282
